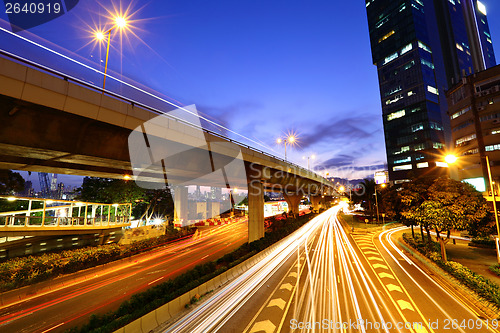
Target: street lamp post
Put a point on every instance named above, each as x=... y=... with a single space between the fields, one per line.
x=376 y=202
x=450 y=159
x=308 y=157
x=493 y=198
x=120 y=22
x=290 y=139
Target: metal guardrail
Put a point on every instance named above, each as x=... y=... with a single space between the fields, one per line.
x=63 y=214
x=137 y=103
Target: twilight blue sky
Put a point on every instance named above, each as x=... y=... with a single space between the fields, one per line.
x=259 y=67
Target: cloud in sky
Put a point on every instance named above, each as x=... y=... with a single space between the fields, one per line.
x=339 y=130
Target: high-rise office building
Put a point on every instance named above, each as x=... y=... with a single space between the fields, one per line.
x=420 y=48
x=474 y=109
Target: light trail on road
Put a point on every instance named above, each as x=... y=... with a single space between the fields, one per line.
x=68 y=306
x=326 y=280
x=331 y=285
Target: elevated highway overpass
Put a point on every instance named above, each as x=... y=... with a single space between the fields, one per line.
x=55 y=123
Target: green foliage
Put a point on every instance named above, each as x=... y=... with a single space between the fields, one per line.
x=22 y=271
x=365 y=195
x=481 y=285
x=145 y=203
x=485 y=243
x=495 y=269
x=11 y=182
x=445 y=205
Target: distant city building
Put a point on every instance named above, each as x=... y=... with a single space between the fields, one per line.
x=60 y=191
x=28 y=189
x=474 y=110
x=381 y=177
x=216 y=194
x=420 y=48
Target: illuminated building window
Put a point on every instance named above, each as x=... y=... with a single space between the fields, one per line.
x=423 y=165
x=390 y=58
x=409 y=65
x=435 y=126
x=394 y=99
x=437 y=145
x=471 y=152
x=402 y=150
x=442 y=164
x=407 y=48
x=403 y=160
x=459 y=113
x=465 y=139
x=459 y=47
x=433 y=90
x=427 y=63
x=481 y=7
x=420 y=146
x=402 y=167
x=492 y=147
x=386 y=36
x=417 y=127
x=424 y=47
x=395 y=115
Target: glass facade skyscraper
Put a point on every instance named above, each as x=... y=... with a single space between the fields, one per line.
x=420 y=48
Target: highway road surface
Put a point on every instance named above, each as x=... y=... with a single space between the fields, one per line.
x=322 y=279
x=71 y=305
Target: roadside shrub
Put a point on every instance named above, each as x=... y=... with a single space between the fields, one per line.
x=495 y=269
x=478 y=283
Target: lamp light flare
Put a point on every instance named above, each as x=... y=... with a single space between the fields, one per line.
x=120 y=22
x=450 y=159
x=279 y=140
x=291 y=139
x=99 y=35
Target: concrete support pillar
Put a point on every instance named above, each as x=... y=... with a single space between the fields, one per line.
x=316 y=202
x=181 y=205
x=293 y=201
x=255 y=204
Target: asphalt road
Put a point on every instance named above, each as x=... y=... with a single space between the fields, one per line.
x=72 y=305
x=322 y=279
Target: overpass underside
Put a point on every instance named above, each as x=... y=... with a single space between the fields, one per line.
x=55 y=125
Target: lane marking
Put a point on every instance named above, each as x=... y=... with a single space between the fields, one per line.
x=50 y=329
x=266 y=326
x=293 y=274
x=385 y=275
x=287 y=286
x=404 y=305
x=392 y=287
x=375 y=258
x=279 y=302
x=380 y=266
x=150 y=283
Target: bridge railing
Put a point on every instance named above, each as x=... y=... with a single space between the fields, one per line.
x=144 y=106
x=38 y=221
x=51 y=213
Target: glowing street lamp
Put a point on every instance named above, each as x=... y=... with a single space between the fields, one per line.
x=120 y=23
x=291 y=139
x=450 y=159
